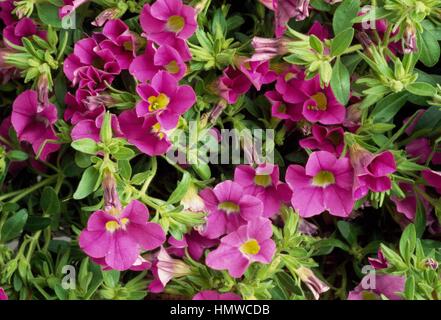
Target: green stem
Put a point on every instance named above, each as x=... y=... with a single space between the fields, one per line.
x=153 y=170
x=24 y=192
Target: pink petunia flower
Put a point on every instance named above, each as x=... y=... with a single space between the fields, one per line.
x=325 y=183
x=319 y=105
x=433 y=178
x=166 y=20
x=23 y=28
x=166 y=58
x=267 y=48
x=325 y=139
x=263 y=183
x=281 y=109
x=3 y=295
x=232 y=84
x=165 y=99
x=140 y=264
x=380 y=262
x=144 y=132
x=119 y=236
x=249 y=243
x=371 y=171
x=228 y=208
x=194 y=242
x=6 y=8
x=214 y=295
x=258 y=72
x=387 y=285
x=408 y=205
x=89 y=128
x=34 y=123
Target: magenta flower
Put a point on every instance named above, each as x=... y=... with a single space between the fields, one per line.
x=371 y=171
x=214 y=295
x=421 y=150
x=287 y=9
x=228 y=208
x=320 y=31
x=433 y=178
x=34 y=123
x=282 y=109
x=144 y=132
x=89 y=128
x=232 y=84
x=194 y=242
x=23 y=28
x=6 y=8
x=165 y=20
x=249 y=243
x=78 y=108
x=408 y=205
x=3 y=295
x=263 y=183
x=116 y=41
x=387 y=285
x=319 y=105
x=325 y=139
x=140 y=264
x=380 y=262
x=118 y=237
x=165 y=99
x=166 y=58
x=325 y=183
x=85 y=59
x=258 y=73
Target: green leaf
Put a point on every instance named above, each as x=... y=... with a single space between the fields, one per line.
x=429 y=120
x=14 y=225
x=429 y=48
x=88 y=183
x=124 y=153
x=17 y=155
x=35 y=223
x=111 y=278
x=49 y=201
x=386 y=109
x=181 y=189
x=421 y=89
x=316 y=44
x=48 y=14
x=408 y=242
x=340 y=82
x=124 y=169
x=344 y=15
x=86 y=145
x=409 y=288
x=348 y=232
x=342 y=41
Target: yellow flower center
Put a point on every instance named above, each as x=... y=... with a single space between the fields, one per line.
x=320 y=100
x=228 y=207
x=323 y=179
x=112 y=226
x=175 y=23
x=156 y=129
x=172 y=67
x=289 y=76
x=263 y=180
x=250 y=247
x=158 y=102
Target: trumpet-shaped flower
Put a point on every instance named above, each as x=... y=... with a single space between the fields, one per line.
x=249 y=243
x=119 y=237
x=263 y=183
x=228 y=208
x=165 y=20
x=165 y=99
x=325 y=183
x=34 y=123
